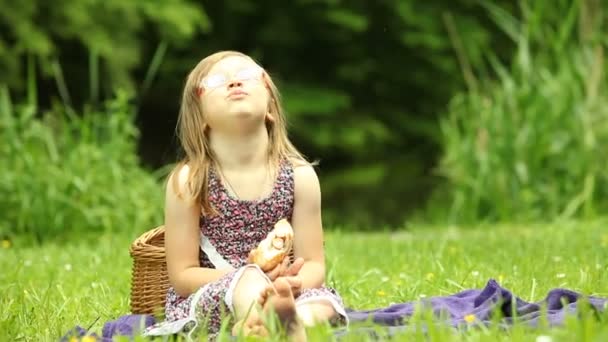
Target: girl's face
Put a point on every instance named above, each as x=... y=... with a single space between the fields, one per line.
x=234 y=89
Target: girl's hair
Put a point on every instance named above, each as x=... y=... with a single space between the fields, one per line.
x=193 y=133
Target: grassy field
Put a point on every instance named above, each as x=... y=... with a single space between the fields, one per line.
x=48 y=290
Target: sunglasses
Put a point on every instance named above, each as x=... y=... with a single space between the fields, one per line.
x=217 y=80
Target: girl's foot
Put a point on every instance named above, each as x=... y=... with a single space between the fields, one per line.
x=279 y=299
x=252 y=327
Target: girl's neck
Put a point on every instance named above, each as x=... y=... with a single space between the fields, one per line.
x=249 y=150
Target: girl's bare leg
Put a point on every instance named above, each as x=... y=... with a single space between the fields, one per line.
x=315 y=312
x=246 y=301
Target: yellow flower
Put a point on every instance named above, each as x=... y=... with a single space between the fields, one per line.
x=88 y=339
x=470 y=318
x=381 y=293
x=6 y=244
x=430 y=276
x=501 y=278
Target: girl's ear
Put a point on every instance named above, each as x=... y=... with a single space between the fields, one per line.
x=199 y=91
x=270 y=117
x=266 y=80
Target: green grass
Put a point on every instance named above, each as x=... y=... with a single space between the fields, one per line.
x=49 y=289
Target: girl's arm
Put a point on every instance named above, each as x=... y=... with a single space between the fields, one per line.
x=307 y=225
x=182 y=240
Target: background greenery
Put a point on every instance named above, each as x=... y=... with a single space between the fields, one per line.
x=436 y=122
x=419 y=111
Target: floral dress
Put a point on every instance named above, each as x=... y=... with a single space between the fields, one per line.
x=226 y=240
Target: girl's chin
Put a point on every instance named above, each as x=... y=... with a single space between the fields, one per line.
x=246 y=113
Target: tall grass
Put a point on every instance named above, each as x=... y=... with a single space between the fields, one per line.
x=67 y=173
x=530 y=143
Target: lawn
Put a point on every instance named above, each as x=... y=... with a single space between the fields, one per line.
x=49 y=289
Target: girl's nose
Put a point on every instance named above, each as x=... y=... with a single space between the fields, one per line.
x=235 y=83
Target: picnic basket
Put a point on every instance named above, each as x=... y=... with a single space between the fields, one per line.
x=149 y=282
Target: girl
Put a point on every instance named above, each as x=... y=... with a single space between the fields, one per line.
x=240 y=175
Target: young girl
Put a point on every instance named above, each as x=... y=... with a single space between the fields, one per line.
x=240 y=175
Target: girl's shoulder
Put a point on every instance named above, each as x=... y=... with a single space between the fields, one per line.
x=178 y=180
x=297 y=163
x=179 y=175
x=304 y=172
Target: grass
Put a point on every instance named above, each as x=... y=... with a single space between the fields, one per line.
x=49 y=289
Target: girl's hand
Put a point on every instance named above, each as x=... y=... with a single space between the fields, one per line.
x=285 y=270
x=278 y=270
x=296 y=288
x=295 y=282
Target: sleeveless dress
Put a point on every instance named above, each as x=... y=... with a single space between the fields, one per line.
x=226 y=240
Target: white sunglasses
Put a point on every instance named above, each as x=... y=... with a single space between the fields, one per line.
x=219 y=79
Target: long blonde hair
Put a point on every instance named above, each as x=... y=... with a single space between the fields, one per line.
x=194 y=140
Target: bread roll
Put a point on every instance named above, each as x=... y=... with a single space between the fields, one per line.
x=274 y=248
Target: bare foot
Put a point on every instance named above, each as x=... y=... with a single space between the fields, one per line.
x=278 y=299
x=252 y=327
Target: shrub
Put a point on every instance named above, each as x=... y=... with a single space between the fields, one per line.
x=530 y=144
x=67 y=173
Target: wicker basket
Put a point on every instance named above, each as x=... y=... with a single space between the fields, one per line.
x=149 y=281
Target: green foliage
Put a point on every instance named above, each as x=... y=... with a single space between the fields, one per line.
x=69 y=173
x=531 y=143
x=112 y=30
x=363 y=82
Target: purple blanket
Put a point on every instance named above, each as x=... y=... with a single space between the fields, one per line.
x=478 y=306
x=475 y=306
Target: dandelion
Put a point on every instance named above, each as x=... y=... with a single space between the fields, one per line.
x=560 y=275
x=557 y=258
x=501 y=278
x=470 y=318
x=88 y=339
x=543 y=338
x=381 y=293
x=6 y=244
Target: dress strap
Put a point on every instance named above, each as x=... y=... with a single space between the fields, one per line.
x=216 y=258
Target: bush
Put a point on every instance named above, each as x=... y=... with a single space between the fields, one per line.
x=68 y=174
x=531 y=144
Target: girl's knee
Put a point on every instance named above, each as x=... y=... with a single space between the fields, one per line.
x=250 y=283
x=253 y=275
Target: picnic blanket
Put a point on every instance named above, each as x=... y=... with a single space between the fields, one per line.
x=464 y=309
